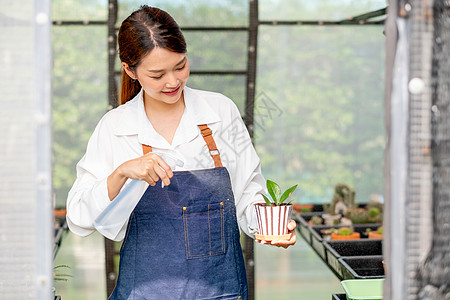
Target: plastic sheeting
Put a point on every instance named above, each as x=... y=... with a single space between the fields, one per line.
x=25 y=164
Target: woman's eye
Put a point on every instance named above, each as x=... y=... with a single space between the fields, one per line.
x=181 y=68
x=157 y=77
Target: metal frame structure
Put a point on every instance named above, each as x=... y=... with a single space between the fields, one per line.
x=370 y=18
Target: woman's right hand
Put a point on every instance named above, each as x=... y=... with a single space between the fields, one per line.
x=149 y=167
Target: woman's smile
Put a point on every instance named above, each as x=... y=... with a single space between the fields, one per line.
x=172 y=93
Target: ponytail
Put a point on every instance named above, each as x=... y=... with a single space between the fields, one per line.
x=129 y=88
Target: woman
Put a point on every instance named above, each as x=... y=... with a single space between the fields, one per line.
x=182 y=240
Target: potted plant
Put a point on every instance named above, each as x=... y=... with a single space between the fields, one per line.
x=345 y=233
x=331 y=218
x=378 y=234
x=315 y=220
x=358 y=215
x=375 y=215
x=326 y=233
x=273 y=215
x=343 y=200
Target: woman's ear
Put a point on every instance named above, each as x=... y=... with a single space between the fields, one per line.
x=128 y=70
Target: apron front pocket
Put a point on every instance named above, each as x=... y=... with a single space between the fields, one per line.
x=204 y=230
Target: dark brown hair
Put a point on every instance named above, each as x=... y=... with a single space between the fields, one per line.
x=145 y=29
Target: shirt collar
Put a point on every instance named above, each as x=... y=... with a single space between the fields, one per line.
x=134 y=120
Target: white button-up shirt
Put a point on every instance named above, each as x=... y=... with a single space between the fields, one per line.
x=121 y=132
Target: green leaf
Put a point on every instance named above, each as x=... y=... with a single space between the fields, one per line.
x=292 y=200
x=274 y=190
x=61 y=266
x=267 y=200
x=287 y=194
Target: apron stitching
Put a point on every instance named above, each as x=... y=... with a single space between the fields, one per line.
x=186 y=234
x=209 y=231
x=223 y=227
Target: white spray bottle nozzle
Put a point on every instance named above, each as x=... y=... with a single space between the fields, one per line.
x=173 y=162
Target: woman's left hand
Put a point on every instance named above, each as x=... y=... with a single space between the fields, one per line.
x=284 y=243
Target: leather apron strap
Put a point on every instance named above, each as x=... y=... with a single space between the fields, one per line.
x=213 y=151
x=146 y=149
x=207 y=136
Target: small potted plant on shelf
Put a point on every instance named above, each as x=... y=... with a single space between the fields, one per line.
x=375 y=215
x=376 y=234
x=326 y=233
x=345 y=233
x=343 y=200
x=315 y=220
x=358 y=215
x=273 y=215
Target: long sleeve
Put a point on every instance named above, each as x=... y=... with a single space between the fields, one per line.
x=88 y=196
x=247 y=179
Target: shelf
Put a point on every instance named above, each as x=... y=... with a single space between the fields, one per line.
x=347 y=259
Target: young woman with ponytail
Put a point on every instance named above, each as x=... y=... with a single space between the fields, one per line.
x=182 y=239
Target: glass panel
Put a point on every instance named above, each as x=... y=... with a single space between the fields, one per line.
x=319 y=109
x=79 y=97
x=218 y=51
x=80 y=10
x=195 y=13
x=294 y=10
x=231 y=86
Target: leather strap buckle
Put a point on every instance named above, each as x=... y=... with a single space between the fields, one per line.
x=206 y=131
x=214 y=152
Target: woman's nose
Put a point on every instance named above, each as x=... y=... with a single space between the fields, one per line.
x=172 y=80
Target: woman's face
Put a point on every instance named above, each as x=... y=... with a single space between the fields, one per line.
x=162 y=74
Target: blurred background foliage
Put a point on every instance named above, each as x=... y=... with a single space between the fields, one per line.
x=319 y=89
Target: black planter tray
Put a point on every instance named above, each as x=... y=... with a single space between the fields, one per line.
x=302 y=224
x=339 y=248
x=317 y=237
x=361 y=228
x=361 y=267
x=338 y=297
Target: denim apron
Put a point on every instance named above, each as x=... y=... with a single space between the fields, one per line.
x=182 y=241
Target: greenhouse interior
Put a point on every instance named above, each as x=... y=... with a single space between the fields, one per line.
x=347 y=100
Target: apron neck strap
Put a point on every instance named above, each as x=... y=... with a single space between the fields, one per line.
x=213 y=151
x=207 y=136
x=146 y=148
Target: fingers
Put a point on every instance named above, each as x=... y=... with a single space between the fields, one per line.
x=291 y=225
x=284 y=243
x=156 y=168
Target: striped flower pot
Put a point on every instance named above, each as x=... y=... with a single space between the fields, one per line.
x=273 y=221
